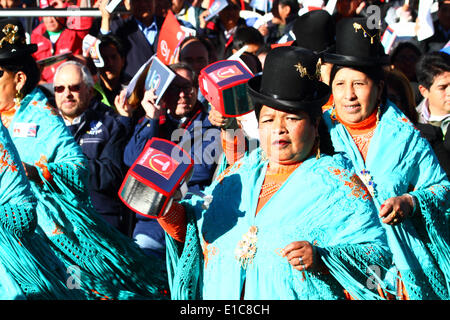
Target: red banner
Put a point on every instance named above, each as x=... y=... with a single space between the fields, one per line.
x=170 y=38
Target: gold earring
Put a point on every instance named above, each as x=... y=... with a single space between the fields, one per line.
x=333 y=113
x=318 y=148
x=18 y=98
x=378 y=115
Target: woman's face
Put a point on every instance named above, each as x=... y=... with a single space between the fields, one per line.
x=7 y=89
x=286 y=138
x=114 y=63
x=284 y=11
x=355 y=95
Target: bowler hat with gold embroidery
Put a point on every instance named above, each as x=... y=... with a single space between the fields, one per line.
x=12 y=40
x=290 y=81
x=357 y=45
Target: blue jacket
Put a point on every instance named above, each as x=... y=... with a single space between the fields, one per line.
x=102 y=141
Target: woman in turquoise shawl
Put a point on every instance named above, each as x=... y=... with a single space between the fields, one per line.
x=26 y=272
x=99 y=260
x=398 y=166
x=284 y=222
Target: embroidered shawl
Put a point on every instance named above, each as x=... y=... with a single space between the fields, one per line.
x=322 y=202
x=399 y=160
x=106 y=264
x=24 y=273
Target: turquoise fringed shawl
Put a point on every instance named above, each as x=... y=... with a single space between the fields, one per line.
x=24 y=272
x=398 y=158
x=111 y=265
x=321 y=202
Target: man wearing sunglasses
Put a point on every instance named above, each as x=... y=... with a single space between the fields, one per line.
x=100 y=136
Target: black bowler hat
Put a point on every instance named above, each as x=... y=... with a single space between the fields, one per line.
x=12 y=40
x=357 y=45
x=290 y=81
x=315 y=30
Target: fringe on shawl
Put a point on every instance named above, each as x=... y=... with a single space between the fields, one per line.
x=112 y=261
x=362 y=276
x=185 y=270
x=436 y=236
x=29 y=270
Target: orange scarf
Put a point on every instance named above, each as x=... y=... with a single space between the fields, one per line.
x=362 y=132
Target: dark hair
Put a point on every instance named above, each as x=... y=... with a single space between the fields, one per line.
x=265 y=48
x=376 y=74
x=212 y=57
x=431 y=65
x=293 y=4
x=233 y=5
x=27 y=65
x=404 y=98
x=247 y=35
x=252 y=62
x=404 y=45
x=109 y=39
x=184 y=66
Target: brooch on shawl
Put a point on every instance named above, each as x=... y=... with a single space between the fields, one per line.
x=368 y=181
x=246 y=248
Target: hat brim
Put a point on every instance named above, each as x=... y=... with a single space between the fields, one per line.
x=352 y=61
x=18 y=52
x=321 y=95
x=320 y=52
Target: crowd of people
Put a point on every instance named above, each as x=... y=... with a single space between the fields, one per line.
x=335 y=185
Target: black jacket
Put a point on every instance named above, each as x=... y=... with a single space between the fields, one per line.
x=437 y=41
x=138 y=49
x=214 y=30
x=102 y=141
x=440 y=144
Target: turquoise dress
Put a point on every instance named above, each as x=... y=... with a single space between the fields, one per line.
x=27 y=270
x=399 y=160
x=322 y=202
x=99 y=260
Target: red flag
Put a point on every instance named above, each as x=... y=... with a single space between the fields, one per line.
x=284 y=44
x=170 y=38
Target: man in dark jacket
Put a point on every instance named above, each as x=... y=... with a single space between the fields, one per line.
x=220 y=29
x=185 y=122
x=100 y=136
x=139 y=32
x=433 y=75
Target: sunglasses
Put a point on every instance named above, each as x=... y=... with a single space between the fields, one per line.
x=72 y=88
x=174 y=89
x=1 y=73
